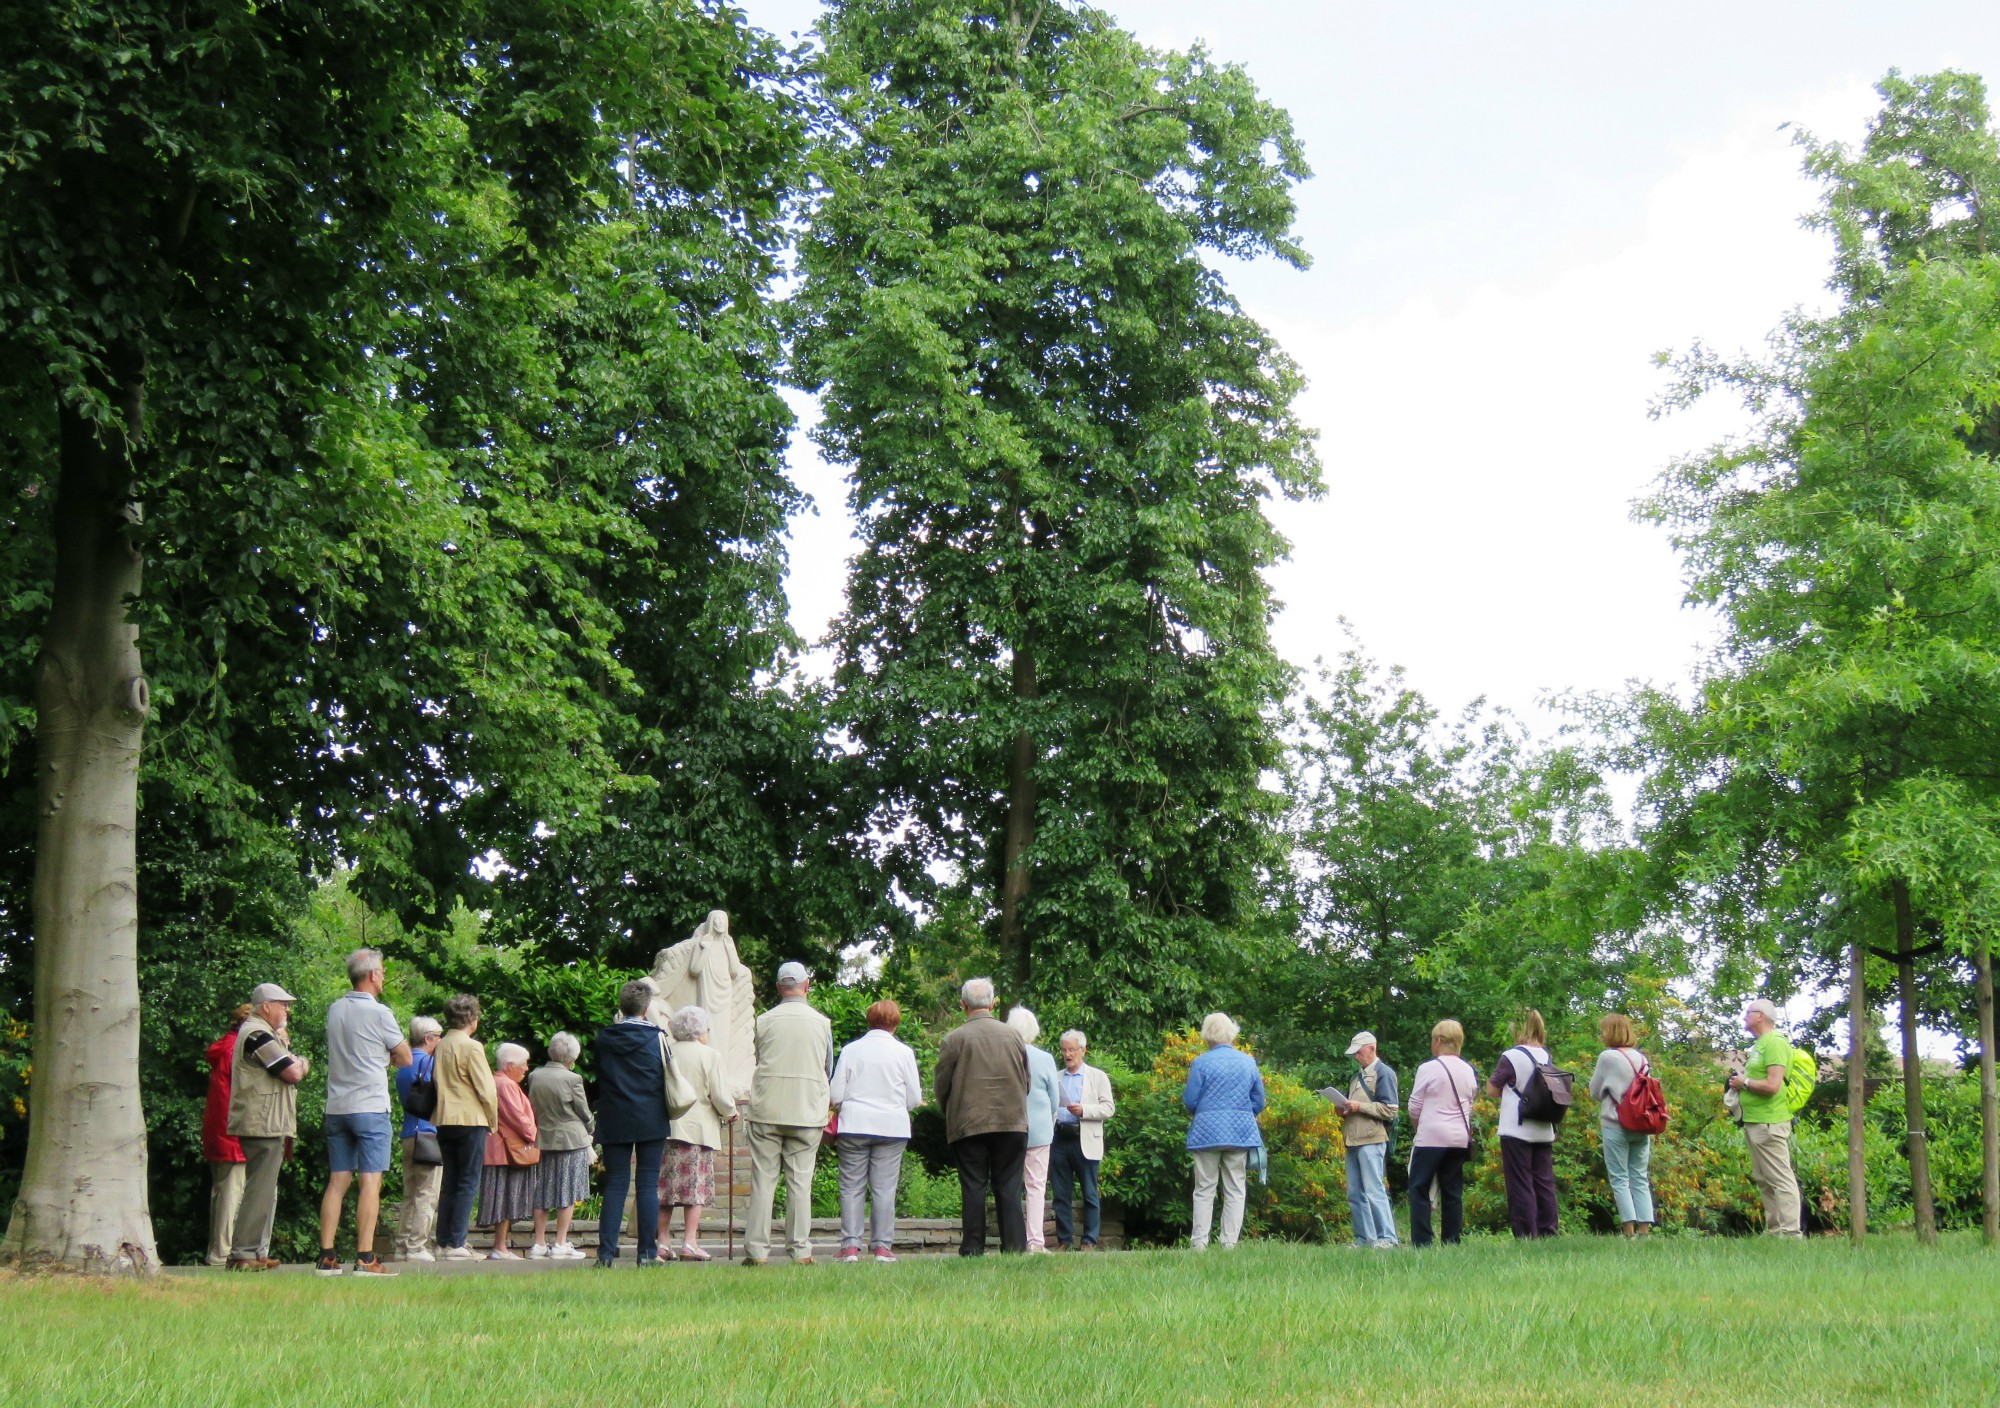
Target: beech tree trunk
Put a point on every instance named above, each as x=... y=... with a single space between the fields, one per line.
x=1913 y=1068
x=83 y=1189
x=1989 y=1099
x=1021 y=799
x=1857 y=1093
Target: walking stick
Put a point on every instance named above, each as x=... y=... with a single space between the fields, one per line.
x=729 y=1221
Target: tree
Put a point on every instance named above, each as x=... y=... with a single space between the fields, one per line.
x=1437 y=868
x=1841 y=741
x=232 y=238
x=1060 y=428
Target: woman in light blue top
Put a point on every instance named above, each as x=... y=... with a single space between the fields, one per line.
x=1044 y=1094
x=1225 y=1094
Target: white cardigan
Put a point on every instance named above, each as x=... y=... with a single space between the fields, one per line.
x=875 y=1086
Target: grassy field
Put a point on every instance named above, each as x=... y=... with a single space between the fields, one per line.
x=1583 y=1321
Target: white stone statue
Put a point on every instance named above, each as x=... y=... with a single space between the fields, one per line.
x=703 y=971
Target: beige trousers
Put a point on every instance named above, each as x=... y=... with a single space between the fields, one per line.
x=416 y=1220
x=792 y=1149
x=1227 y=1167
x=225 y=1196
x=1771 y=1171
x=1035 y=1195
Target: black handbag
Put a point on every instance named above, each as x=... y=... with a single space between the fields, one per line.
x=424 y=1149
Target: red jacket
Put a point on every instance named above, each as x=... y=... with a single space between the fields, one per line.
x=218 y=1146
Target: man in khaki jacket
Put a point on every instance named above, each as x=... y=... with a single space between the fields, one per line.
x=264 y=1117
x=982 y=1087
x=788 y=1111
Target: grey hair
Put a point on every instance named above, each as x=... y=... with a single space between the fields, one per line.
x=510 y=1054
x=422 y=1029
x=635 y=997
x=1026 y=1023
x=688 y=1023
x=1082 y=1041
x=361 y=963
x=564 y=1048
x=977 y=994
x=1218 y=1030
x=461 y=1010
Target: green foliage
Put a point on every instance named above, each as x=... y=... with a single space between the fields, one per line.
x=1060 y=428
x=1438 y=869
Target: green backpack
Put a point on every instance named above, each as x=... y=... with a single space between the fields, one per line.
x=1801 y=1078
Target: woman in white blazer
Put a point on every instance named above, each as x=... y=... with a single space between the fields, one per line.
x=687 y=1172
x=875 y=1086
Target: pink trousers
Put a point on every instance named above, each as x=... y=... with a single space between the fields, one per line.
x=1035 y=1183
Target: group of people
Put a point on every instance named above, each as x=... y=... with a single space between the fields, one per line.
x=497 y=1145
x=1224 y=1094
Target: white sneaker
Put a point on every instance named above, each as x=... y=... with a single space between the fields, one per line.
x=538 y=1252
x=420 y=1254
x=566 y=1251
x=459 y=1254
x=503 y=1254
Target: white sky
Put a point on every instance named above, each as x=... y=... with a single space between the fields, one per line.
x=1514 y=207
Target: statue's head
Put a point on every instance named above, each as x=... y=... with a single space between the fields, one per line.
x=718 y=923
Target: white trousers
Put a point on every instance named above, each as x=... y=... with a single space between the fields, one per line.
x=1229 y=1165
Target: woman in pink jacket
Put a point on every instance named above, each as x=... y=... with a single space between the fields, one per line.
x=1440 y=1107
x=507 y=1183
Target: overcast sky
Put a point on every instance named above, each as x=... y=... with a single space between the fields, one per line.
x=1514 y=206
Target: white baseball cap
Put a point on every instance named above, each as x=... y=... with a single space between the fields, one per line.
x=1361 y=1039
x=790 y=975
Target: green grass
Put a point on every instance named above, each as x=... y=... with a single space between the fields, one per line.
x=1585 y=1321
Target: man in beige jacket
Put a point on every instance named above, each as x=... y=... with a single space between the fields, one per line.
x=788 y=1111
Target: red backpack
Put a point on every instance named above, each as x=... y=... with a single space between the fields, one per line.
x=1643 y=1110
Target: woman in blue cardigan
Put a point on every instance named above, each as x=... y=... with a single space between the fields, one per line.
x=1225 y=1094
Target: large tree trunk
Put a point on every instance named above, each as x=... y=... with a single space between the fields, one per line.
x=1913 y=1068
x=1857 y=1092
x=83 y=1190
x=1021 y=798
x=1989 y=1104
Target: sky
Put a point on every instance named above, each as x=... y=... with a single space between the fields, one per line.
x=1513 y=208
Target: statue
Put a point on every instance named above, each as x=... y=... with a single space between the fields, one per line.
x=703 y=971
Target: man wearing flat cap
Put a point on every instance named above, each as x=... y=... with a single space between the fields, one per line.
x=264 y=1118
x=788 y=1111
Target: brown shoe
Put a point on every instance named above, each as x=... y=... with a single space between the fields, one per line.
x=250 y=1263
x=372 y=1267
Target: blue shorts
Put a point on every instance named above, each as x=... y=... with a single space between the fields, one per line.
x=358 y=1143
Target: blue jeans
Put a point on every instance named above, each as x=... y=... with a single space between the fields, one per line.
x=1368 y=1195
x=618 y=1161
x=1067 y=1167
x=464 y=1150
x=1627 y=1157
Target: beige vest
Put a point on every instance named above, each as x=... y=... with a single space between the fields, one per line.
x=261 y=1105
x=793 y=1045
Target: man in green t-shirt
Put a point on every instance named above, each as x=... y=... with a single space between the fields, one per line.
x=1767 y=1118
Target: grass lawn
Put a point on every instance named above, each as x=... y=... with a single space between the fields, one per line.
x=1582 y=1321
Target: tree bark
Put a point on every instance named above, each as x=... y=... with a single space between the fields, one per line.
x=1989 y=1100
x=83 y=1188
x=1913 y=1068
x=1021 y=798
x=1857 y=1093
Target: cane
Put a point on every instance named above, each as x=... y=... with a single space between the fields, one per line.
x=729 y=1221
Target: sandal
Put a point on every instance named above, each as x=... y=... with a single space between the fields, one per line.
x=688 y=1253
